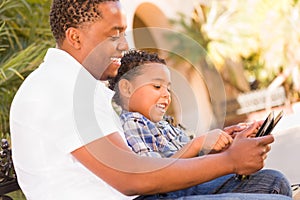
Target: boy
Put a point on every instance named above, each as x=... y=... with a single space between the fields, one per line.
x=143 y=88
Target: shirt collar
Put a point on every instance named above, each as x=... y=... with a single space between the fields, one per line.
x=58 y=58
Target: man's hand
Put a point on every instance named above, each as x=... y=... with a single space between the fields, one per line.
x=248 y=154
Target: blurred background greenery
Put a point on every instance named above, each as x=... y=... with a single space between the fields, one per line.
x=24 y=39
x=250 y=42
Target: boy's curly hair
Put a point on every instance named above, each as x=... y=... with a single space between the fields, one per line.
x=72 y=13
x=130 y=67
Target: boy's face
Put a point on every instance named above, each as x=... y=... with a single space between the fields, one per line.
x=151 y=91
x=104 y=42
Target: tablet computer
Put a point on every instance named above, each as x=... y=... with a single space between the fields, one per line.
x=269 y=124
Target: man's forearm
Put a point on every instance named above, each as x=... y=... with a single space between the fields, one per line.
x=133 y=174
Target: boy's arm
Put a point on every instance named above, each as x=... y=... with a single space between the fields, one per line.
x=110 y=159
x=212 y=141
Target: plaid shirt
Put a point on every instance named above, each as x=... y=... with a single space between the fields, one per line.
x=152 y=139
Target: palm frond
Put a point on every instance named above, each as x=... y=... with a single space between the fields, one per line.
x=24 y=38
x=10 y=10
x=13 y=72
x=22 y=62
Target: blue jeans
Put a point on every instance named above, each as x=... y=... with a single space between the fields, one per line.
x=263 y=185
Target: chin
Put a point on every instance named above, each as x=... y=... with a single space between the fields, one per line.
x=106 y=77
x=156 y=119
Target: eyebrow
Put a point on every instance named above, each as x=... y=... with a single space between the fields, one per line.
x=161 y=80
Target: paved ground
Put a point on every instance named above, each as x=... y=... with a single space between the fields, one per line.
x=285 y=152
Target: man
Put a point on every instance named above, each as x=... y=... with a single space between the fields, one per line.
x=67 y=141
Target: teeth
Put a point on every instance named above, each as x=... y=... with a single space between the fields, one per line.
x=115 y=59
x=161 y=106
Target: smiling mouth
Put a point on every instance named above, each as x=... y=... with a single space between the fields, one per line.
x=162 y=107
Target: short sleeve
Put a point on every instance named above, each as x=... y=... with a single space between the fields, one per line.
x=140 y=138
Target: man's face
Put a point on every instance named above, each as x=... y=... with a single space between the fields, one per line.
x=105 y=42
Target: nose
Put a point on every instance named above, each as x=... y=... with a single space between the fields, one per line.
x=165 y=92
x=123 y=44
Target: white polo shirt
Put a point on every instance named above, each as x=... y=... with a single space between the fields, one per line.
x=59 y=108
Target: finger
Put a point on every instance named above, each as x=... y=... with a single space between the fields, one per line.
x=211 y=139
x=268 y=148
x=229 y=139
x=226 y=139
x=219 y=146
x=249 y=131
x=234 y=128
x=216 y=148
x=260 y=122
x=265 y=140
x=223 y=140
x=244 y=125
x=264 y=151
x=230 y=129
x=264 y=156
x=233 y=135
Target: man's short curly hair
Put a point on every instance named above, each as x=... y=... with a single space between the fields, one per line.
x=131 y=66
x=72 y=13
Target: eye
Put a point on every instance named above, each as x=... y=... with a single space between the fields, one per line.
x=115 y=37
x=118 y=36
x=157 y=86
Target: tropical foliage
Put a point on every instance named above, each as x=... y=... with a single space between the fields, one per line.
x=24 y=38
x=248 y=41
x=251 y=41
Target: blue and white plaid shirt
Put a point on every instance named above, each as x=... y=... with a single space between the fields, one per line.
x=147 y=138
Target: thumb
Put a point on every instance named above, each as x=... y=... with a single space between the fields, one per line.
x=250 y=130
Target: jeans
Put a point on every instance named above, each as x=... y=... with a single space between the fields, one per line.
x=263 y=185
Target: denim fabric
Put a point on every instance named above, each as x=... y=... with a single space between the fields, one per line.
x=265 y=184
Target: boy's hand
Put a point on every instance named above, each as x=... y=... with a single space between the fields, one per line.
x=216 y=141
x=232 y=130
x=235 y=129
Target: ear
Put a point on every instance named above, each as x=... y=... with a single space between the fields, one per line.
x=125 y=88
x=73 y=37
